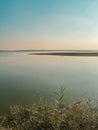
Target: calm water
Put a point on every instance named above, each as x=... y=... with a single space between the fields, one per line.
x=24 y=78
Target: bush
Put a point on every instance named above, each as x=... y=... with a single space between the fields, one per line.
x=43 y=115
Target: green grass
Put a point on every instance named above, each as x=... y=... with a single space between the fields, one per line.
x=59 y=115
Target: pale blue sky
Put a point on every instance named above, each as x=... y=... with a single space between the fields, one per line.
x=48 y=24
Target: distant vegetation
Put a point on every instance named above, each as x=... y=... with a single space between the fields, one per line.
x=43 y=115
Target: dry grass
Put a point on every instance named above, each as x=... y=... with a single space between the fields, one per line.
x=43 y=115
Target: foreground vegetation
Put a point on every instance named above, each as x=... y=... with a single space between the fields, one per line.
x=43 y=115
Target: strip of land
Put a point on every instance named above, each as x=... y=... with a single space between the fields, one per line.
x=67 y=53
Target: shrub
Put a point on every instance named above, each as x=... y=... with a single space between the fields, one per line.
x=43 y=115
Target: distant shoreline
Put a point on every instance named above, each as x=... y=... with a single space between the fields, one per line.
x=67 y=54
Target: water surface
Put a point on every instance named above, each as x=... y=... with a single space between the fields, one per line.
x=24 y=78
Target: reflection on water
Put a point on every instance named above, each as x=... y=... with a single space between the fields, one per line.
x=25 y=78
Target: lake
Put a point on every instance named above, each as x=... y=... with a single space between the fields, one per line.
x=25 y=78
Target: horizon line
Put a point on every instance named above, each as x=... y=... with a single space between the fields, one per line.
x=4 y=50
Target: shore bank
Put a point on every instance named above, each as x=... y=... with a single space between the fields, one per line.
x=94 y=54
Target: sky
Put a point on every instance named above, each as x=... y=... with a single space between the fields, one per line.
x=48 y=24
